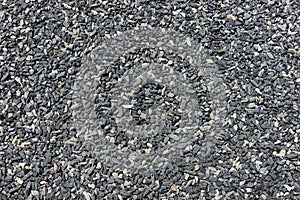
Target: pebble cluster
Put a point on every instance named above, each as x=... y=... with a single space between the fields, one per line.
x=254 y=153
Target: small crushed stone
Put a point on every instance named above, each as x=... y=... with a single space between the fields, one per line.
x=254 y=48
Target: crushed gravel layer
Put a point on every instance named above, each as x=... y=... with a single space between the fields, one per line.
x=149 y=99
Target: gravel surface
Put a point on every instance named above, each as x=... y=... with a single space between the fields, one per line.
x=149 y=100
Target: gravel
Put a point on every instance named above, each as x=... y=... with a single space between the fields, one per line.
x=149 y=100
